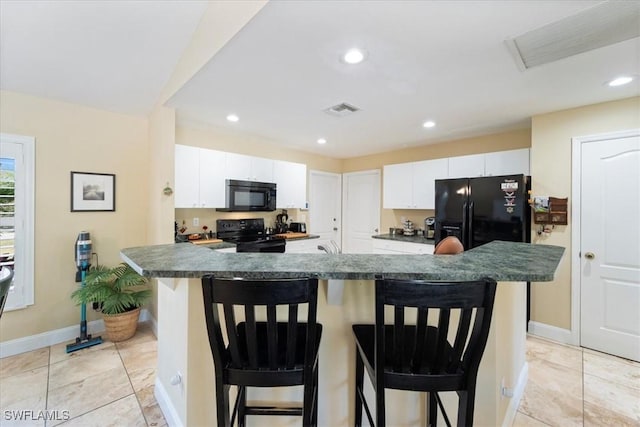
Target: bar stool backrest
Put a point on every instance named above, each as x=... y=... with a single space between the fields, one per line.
x=458 y=345
x=242 y=345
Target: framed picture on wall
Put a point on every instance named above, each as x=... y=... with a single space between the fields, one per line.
x=93 y=192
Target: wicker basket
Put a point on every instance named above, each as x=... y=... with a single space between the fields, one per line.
x=120 y=327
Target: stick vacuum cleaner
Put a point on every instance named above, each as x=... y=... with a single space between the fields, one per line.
x=83 y=262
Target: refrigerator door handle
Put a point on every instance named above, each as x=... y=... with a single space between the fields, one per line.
x=470 y=226
x=464 y=226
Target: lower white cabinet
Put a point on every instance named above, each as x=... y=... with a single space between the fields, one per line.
x=382 y=246
x=305 y=246
x=232 y=250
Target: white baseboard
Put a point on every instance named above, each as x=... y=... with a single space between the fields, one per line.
x=518 y=392
x=550 y=332
x=45 y=339
x=167 y=408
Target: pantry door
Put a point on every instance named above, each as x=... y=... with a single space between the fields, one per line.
x=610 y=244
x=325 y=206
x=361 y=202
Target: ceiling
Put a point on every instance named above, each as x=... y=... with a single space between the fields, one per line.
x=445 y=61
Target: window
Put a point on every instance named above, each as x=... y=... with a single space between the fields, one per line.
x=17 y=172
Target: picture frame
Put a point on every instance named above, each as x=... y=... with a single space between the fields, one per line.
x=93 y=192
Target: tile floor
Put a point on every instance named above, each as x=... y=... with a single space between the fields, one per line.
x=112 y=385
x=572 y=386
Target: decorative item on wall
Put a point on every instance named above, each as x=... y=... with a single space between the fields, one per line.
x=549 y=210
x=93 y=192
x=167 y=190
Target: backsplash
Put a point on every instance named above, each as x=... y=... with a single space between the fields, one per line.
x=208 y=217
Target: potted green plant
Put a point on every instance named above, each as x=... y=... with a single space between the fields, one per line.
x=120 y=292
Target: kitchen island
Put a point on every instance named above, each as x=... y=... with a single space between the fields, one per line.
x=184 y=378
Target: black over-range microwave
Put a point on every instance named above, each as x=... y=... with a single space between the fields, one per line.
x=249 y=196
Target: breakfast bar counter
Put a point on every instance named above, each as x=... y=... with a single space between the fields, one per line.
x=184 y=377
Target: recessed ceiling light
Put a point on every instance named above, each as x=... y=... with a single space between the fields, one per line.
x=620 y=81
x=233 y=118
x=429 y=124
x=322 y=141
x=354 y=56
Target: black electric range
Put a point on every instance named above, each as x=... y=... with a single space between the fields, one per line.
x=249 y=235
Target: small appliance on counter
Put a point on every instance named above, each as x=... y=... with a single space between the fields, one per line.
x=430 y=227
x=281 y=222
x=408 y=229
x=298 y=227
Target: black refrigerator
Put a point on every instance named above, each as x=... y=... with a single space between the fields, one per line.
x=480 y=210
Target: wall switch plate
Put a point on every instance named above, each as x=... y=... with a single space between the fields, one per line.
x=196 y=222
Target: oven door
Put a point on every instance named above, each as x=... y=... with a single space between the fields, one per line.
x=250 y=196
x=274 y=245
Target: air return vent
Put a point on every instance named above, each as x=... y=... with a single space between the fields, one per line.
x=341 y=110
x=602 y=25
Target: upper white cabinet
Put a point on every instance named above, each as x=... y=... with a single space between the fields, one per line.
x=508 y=162
x=291 y=181
x=201 y=174
x=199 y=177
x=397 y=186
x=466 y=166
x=411 y=185
x=248 y=168
x=425 y=174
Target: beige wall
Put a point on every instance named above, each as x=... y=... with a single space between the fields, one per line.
x=74 y=138
x=551 y=172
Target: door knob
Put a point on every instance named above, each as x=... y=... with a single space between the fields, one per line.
x=376 y=230
x=589 y=255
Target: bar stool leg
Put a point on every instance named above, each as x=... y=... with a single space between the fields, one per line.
x=222 y=403
x=432 y=420
x=359 y=382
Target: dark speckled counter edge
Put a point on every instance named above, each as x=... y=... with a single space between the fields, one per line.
x=503 y=261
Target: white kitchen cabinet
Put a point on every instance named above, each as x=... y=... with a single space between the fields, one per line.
x=248 y=168
x=425 y=174
x=412 y=185
x=291 y=181
x=419 y=248
x=397 y=186
x=228 y=250
x=383 y=246
x=466 y=166
x=199 y=177
x=304 y=246
x=508 y=162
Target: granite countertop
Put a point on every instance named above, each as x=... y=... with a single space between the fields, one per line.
x=402 y=238
x=503 y=261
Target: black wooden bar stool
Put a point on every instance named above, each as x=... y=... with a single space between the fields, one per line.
x=267 y=353
x=420 y=357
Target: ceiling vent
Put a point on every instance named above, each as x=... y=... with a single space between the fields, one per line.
x=341 y=110
x=602 y=25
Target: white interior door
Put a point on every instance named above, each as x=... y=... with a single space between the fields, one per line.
x=325 y=205
x=610 y=246
x=361 y=219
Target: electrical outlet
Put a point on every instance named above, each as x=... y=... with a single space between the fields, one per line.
x=196 y=222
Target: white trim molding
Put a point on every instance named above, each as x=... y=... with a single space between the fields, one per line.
x=518 y=392
x=166 y=406
x=564 y=336
x=57 y=336
x=576 y=203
